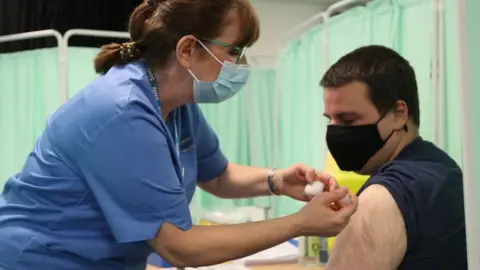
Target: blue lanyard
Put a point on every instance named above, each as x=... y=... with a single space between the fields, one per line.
x=176 y=118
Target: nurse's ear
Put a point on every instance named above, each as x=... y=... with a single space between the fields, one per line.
x=186 y=51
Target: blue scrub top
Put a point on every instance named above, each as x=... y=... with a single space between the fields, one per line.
x=103 y=177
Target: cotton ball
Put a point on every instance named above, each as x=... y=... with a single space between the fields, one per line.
x=314 y=188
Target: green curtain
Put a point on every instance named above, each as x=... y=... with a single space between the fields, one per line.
x=229 y=121
x=245 y=138
x=453 y=142
x=404 y=25
x=80 y=68
x=29 y=93
x=301 y=128
x=260 y=95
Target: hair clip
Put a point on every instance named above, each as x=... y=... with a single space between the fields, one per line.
x=128 y=50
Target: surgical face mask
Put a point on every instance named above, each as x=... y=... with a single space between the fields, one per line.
x=353 y=146
x=230 y=80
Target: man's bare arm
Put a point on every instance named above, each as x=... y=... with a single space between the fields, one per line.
x=375 y=238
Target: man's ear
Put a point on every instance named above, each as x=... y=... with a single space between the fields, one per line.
x=401 y=114
x=186 y=50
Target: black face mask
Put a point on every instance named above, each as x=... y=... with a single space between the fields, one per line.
x=353 y=146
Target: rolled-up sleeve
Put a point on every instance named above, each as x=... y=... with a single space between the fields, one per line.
x=129 y=169
x=210 y=159
x=401 y=187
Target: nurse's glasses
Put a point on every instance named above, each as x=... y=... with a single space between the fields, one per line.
x=233 y=50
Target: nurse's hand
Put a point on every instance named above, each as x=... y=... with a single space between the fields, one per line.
x=318 y=217
x=292 y=181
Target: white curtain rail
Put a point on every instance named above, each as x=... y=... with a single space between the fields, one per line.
x=32 y=35
x=341 y=5
x=95 y=33
x=321 y=16
x=315 y=18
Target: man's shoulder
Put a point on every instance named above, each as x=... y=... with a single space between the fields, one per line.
x=421 y=173
x=421 y=180
x=420 y=164
x=418 y=178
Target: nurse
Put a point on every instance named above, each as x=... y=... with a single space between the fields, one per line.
x=110 y=179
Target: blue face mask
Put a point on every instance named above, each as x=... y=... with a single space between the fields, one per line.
x=230 y=80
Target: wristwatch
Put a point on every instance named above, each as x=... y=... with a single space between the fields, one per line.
x=271 y=185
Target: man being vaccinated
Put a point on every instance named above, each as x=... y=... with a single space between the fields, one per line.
x=410 y=213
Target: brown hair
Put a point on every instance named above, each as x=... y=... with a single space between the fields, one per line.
x=388 y=75
x=156 y=26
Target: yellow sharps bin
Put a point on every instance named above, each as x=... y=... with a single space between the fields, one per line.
x=348 y=179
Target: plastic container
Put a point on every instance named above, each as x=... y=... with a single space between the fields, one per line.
x=313 y=251
x=218 y=217
x=234 y=216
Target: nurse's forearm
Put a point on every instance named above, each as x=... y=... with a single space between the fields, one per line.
x=210 y=245
x=239 y=182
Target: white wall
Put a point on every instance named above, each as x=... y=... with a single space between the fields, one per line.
x=276 y=18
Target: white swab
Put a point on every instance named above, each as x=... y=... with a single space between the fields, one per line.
x=316 y=188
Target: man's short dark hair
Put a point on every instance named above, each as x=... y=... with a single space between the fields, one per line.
x=387 y=74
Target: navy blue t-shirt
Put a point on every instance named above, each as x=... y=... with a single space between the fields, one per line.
x=427 y=186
